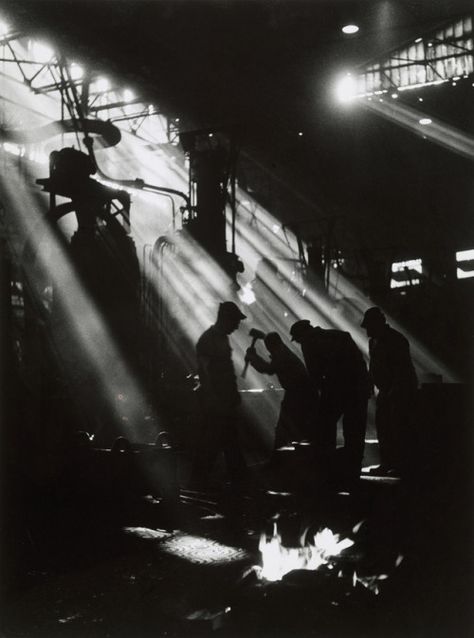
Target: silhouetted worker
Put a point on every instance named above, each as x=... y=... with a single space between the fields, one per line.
x=393 y=373
x=339 y=370
x=219 y=396
x=299 y=402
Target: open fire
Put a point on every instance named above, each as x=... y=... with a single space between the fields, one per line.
x=278 y=560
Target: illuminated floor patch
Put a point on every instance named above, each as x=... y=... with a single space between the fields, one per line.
x=202 y=551
x=147 y=533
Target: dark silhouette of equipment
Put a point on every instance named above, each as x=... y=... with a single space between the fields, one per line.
x=256 y=335
x=102 y=255
x=109 y=134
x=212 y=160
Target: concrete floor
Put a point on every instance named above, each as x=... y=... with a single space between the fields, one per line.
x=123 y=565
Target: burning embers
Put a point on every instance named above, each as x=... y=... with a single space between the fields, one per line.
x=278 y=560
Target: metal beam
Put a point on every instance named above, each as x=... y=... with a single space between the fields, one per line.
x=114 y=105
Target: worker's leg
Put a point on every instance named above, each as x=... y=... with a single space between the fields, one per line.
x=354 y=425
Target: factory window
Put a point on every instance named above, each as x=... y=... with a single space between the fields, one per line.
x=446 y=54
x=406 y=273
x=465 y=264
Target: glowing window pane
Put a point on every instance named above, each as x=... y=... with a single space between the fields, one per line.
x=404 y=283
x=465 y=261
x=465 y=255
x=449 y=53
x=402 y=273
x=411 y=264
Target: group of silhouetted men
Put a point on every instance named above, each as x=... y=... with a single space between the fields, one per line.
x=333 y=383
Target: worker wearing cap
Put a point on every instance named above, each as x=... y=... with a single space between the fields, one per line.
x=339 y=370
x=299 y=402
x=218 y=394
x=393 y=373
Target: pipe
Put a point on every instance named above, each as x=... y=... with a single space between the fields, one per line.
x=109 y=133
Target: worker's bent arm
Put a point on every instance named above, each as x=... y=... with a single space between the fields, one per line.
x=260 y=364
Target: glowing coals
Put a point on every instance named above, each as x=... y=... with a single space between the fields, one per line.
x=278 y=560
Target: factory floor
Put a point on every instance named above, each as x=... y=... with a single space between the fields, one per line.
x=124 y=565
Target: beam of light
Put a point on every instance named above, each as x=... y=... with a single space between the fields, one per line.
x=343 y=307
x=254 y=241
x=30 y=109
x=102 y=361
x=436 y=131
x=191 y=285
x=13 y=149
x=151 y=218
x=276 y=293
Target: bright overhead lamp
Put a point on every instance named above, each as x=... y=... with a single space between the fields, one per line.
x=350 y=29
x=4 y=28
x=425 y=121
x=346 y=88
x=76 y=71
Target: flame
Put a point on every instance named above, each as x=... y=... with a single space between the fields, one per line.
x=278 y=560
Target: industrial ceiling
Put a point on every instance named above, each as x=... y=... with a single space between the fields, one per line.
x=267 y=69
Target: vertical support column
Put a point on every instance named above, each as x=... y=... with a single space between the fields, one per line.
x=5 y=389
